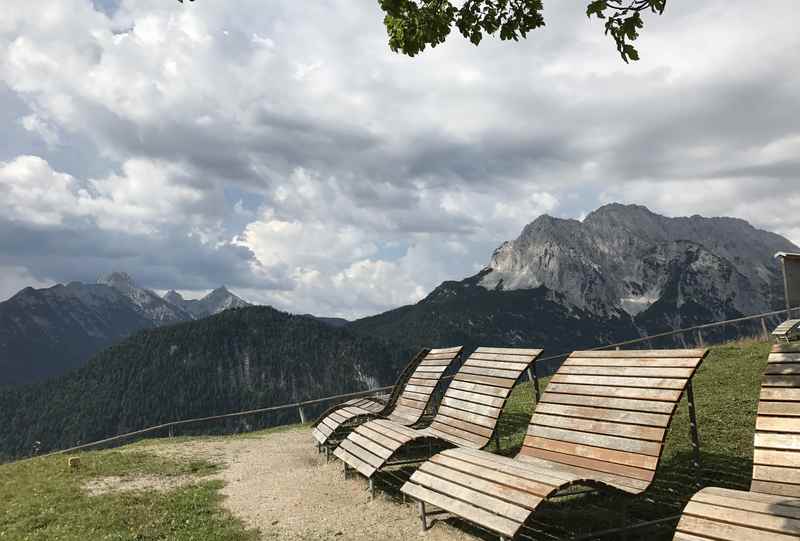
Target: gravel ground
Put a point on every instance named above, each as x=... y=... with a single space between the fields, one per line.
x=279 y=484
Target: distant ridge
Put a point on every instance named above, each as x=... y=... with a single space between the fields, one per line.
x=47 y=332
x=235 y=360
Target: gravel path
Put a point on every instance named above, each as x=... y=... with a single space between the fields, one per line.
x=279 y=484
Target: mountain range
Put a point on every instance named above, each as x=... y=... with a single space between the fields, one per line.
x=47 y=332
x=620 y=273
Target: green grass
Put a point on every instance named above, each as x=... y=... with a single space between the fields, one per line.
x=44 y=499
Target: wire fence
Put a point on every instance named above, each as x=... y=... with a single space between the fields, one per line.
x=756 y=325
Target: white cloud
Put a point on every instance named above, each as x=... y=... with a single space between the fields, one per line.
x=140 y=199
x=376 y=175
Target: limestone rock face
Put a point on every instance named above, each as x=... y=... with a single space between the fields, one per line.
x=627 y=258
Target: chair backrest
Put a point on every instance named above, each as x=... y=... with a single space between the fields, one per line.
x=476 y=396
x=608 y=411
x=416 y=394
x=776 y=446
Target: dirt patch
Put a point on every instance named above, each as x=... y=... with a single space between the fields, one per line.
x=114 y=483
x=279 y=484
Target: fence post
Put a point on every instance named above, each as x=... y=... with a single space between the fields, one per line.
x=764 y=328
x=302 y=414
x=700 y=338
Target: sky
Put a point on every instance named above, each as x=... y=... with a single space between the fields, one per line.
x=283 y=150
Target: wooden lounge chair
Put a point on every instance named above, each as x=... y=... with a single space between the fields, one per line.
x=771 y=510
x=600 y=423
x=409 y=401
x=467 y=415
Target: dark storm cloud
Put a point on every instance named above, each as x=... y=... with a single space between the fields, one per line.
x=334 y=136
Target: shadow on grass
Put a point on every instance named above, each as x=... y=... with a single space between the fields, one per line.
x=578 y=514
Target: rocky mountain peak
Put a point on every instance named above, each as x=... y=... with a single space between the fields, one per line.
x=627 y=258
x=118 y=280
x=173 y=297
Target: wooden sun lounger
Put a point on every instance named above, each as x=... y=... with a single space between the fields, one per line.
x=771 y=510
x=601 y=422
x=467 y=416
x=413 y=393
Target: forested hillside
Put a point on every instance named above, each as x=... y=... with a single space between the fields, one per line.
x=239 y=359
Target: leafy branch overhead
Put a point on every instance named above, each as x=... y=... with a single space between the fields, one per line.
x=414 y=24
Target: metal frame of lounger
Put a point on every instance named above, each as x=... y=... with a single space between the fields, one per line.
x=412 y=396
x=601 y=422
x=467 y=415
x=771 y=509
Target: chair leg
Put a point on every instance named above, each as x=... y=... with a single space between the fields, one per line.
x=423 y=518
x=371 y=489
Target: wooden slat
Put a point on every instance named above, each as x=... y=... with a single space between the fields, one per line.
x=757 y=521
x=598 y=427
x=791 y=369
x=392 y=430
x=413 y=404
x=613 y=381
x=525 y=359
x=777 y=441
x=446 y=432
x=475 y=497
x=370 y=445
x=713 y=529
x=781 y=381
x=471 y=407
x=778 y=424
x=446 y=413
x=512 y=375
x=419 y=389
x=779 y=408
x=619 y=475
x=478 y=388
x=645 y=354
x=651 y=406
x=495 y=472
x=465 y=425
x=426 y=371
x=363 y=454
x=777 y=474
x=616 y=392
x=771 y=457
x=588 y=451
x=495 y=364
x=452 y=349
x=664 y=362
x=433 y=432
x=511 y=351
x=768 y=487
x=463 y=509
x=629 y=371
x=597 y=440
x=506 y=493
x=750 y=501
x=497 y=382
x=353 y=461
x=497 y=402
x=381 y=438
x=778 y=358
x=602 y=414
x=421 y=385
